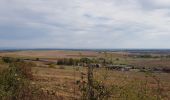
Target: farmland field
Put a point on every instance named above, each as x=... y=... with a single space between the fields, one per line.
x=63 y=81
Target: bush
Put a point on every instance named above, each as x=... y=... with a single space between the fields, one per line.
x=12 y=81
x=67 y=61
x=98 y=90
x=117 y=59
x=10 y=59
x=51 y=66
x=85 y=60
x=7 y=59
x=37 y=59
x=15 y=84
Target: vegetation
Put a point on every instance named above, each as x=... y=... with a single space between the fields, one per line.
x=14 y=81
x=132 y=90
x=8 y=59
x=23 y=80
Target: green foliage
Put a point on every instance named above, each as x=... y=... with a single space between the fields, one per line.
x=15 y=84
x=7 y=59
x=146 y=56
x=67 y=61
x=51 y=66
x=117 y=59
x=86 y=60
x=37 y=59
x=10 y=59
x=71 y=61
x=12 y=81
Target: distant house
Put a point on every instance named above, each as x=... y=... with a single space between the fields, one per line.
x=166 y=70
x=119 y=67
x=126 y=68
x=95 y=65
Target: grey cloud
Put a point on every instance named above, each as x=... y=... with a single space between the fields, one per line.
x=84 y=23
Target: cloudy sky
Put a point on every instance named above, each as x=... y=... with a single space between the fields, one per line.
x=84 y=23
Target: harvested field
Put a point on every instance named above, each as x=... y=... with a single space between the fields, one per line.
x=51 y=54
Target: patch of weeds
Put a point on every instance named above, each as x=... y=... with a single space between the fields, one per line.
x=51 y=66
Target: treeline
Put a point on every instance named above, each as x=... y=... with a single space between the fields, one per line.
x=149 y=56
x=71 y=61
x=64 y=61
x=10 y=59
x=67 y=61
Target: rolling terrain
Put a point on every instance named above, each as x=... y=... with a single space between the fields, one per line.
x=64 y=81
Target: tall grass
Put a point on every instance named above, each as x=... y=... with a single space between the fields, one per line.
x=13 y=81
x=129 y=89
x=16 y=84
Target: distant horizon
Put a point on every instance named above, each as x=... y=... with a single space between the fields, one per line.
x=84 y=48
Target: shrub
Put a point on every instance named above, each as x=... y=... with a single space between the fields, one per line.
x=85 y=60
x=15 y=84
x=117 y=59
x=51 y=66
x=99 y=91
x=14 y=80
x=11 y=60
x=67 y=61
x=7 y=59
x=37 y=59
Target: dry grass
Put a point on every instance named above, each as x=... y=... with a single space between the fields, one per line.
x=51 y=54
x=61 y=81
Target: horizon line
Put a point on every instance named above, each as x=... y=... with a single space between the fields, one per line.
x=84 y=48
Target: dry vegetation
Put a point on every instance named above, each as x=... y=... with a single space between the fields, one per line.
x=50 y=54
x=61 y=82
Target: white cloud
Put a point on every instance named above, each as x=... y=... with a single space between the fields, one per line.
x=86 y=23
x=162 y=3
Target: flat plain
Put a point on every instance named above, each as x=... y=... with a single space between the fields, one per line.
x=60 y=80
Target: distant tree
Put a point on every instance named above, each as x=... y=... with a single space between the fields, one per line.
x=117 y=59
x=37 y=59
x=71 y=61
x=7 y=59
x=60 y=62
x=85 y=60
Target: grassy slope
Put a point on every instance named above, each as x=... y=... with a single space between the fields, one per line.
x=62 y=80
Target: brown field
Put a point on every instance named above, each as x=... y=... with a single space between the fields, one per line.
x=61 y=81
x=51 y=54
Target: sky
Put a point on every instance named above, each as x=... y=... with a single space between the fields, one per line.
x=84 y=24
